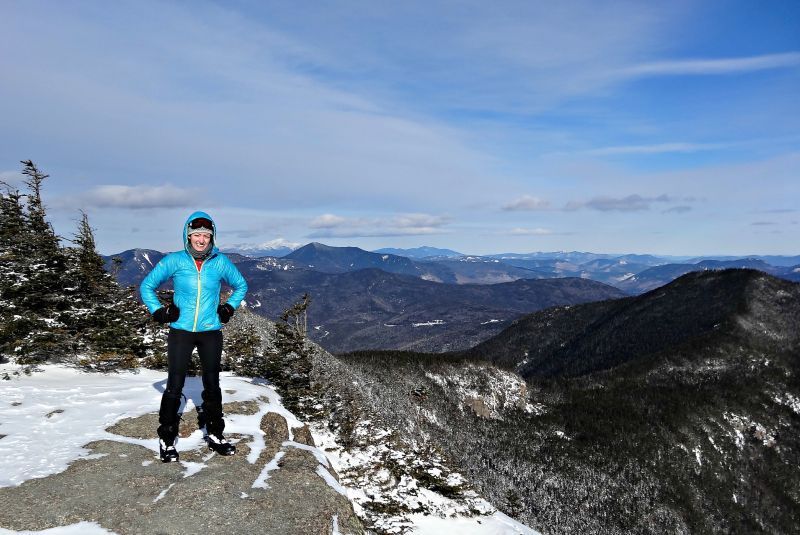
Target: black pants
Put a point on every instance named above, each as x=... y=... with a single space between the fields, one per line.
x=180 y=344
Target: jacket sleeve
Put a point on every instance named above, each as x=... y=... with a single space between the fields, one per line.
x=163 y=270
x=232 y=276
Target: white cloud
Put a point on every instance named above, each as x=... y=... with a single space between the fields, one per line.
x=527 y=203
x=136 y=197
x=714 y=66
x=531 y=232
x=333 y=226
x=327 y=221
x=658 y=148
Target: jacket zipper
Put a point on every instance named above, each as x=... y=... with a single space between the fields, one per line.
x=197 y=302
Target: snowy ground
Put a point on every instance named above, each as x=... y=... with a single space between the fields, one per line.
x=49 y=416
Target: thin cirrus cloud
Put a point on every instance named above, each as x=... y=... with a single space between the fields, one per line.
x=519 y=231
x=714 y=66
x=136 y=197
x=527 y=203
x=657 y=148
x=333 y=226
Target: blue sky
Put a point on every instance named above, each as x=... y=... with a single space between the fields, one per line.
x=630 y=127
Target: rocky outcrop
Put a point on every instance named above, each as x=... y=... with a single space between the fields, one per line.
x=123 y=487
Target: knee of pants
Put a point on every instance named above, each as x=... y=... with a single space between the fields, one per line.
x=172 y=392
x=210 y=379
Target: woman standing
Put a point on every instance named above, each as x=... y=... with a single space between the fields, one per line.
x=195 y=318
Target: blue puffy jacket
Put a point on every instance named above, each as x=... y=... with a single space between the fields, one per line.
x=196 y=291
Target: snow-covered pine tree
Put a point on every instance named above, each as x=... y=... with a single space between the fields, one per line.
x=242 y=354
x=110 y=321
x=36 y=328
x=12 y=254
x=290 y=366
x=56 y=302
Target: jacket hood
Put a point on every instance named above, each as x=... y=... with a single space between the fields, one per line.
x=192 y=217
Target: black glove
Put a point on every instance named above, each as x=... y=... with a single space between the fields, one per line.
x=167 y=314
x=225 y=312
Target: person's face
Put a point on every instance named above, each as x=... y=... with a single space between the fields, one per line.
x=199 y=241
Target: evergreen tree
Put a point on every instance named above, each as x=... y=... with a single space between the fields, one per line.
x=55 y=302
x=289 y=367
x=36 y=329
x=242 y=354
x=91 y=267
x=108 y=318
x=13 y=254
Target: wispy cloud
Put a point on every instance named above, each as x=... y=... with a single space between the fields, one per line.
x=631 y=203
x=714 y=66
x=519 y=231
x=657 y=148
x=333 y=226
x=527 y=203
x=135 y=197
x=327 y=221
x=763 y=223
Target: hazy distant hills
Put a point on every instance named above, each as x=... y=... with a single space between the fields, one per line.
x=420 y=252
x=676 y=411
x=371 y=308
x=576 y=340
x=327 y=259
x=658 y=276
x=631 y=273
x=427 y=310
x=463 y=270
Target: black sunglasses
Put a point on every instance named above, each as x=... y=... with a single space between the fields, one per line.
x=201 y=222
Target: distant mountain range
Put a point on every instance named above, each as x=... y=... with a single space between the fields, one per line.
x=424 y=290
x=420 y=252
x=372 y=308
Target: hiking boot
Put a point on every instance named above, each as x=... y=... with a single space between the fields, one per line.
x=220 y=444
x=167 y=452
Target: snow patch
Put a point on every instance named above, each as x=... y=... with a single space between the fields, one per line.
x=163 y=492
x=428 y=323
x=36 y=446
x=192 y=468
x=261 y=480
x=330 y=480
x=81 y=528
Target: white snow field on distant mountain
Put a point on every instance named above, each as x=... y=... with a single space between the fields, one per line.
x=47 y=417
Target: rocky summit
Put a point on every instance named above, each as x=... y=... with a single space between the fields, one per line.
x=124 y=488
